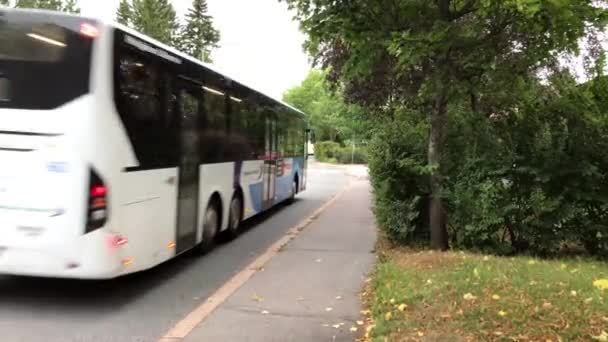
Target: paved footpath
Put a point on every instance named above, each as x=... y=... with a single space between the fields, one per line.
x=310 y=290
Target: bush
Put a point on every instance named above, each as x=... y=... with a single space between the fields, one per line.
x=531 y=180
x=535 y=182
x=346 y=155
x=333 y=152
x=397 y=164
x=326 y=150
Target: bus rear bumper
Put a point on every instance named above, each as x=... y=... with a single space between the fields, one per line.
x=85 y=258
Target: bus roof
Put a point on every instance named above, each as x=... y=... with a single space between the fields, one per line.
x=151 y=40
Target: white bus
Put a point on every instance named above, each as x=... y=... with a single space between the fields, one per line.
x=118 y=153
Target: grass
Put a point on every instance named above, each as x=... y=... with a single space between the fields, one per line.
x=417 y=295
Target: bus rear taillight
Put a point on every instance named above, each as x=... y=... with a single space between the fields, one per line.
x=97 y=208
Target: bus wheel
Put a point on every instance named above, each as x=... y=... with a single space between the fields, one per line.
x=234 y=220
x=294 y=191
x=210 y=228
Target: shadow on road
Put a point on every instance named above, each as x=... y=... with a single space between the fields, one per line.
x=56 y=295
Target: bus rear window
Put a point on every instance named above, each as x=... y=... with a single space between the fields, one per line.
x=44 y=60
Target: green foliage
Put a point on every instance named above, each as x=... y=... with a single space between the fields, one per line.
x=330 y=117
x=124 y=13
x=68 y=6
x=198 y=36
x=472 y=65
x=157 y=19
x=327 y=150
x=534 y=179
x=399 y=173
x=4 y=3
x=333 y=152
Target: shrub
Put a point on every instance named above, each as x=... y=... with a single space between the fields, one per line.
x=397 y=164
x=326 y=150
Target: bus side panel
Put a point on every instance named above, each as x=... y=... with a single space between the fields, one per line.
x=147 y=216
x=215 y=178
x=253 y=187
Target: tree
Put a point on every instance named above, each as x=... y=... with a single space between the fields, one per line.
x=27 y=4
x=4 y=3
x=329 y=115
x=199 y=36
x=157 y=19
x=124 y=13
x=427 y=56
x=70 y=6
x=54 y=5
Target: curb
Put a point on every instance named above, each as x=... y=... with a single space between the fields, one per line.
x=183 y=328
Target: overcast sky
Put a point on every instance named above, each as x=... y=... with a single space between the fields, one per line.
x=261 y=46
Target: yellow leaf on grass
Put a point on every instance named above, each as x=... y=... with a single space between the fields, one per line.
x=486 y=258
x=388 y=316
x=469 y=296
x=360 y=323
x=496 y=297
x=420 y=334
x=573 y=293
x=476 y=272
x=392 y=301
x=601 y=284
x=563 y=266
x=502 y=313
x=532 y=262
x=402 y=307
x=603 y=337
x=366 y=312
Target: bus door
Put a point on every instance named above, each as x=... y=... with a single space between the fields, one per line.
x=190 y=105
x=270 y=162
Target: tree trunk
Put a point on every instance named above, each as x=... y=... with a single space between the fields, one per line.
x=439 y=234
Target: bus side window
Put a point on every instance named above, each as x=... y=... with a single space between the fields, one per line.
x=144 y=100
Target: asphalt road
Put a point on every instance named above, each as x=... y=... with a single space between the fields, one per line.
x=142 y=307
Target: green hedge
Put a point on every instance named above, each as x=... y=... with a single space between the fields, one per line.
x=333 y=152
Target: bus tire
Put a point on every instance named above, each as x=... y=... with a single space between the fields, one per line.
x=210 y=227
x=294 y=191
x=235 y=217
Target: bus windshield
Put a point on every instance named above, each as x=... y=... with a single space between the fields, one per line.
x=44 y=60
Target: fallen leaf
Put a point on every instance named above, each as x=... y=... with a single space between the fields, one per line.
x=429 y=281
x=365 y=312
x=257 y=298
x=498 y=333
x=420 y=334
x=469 y=296
x=547 y=305
x=601 y=284
x=603 y=337
x=328 y=309
x=325 y=325
x=573 y=293
x=319 y=260
x=486 y=258
x=265 y=312
x=532 y=262
x=353 y=329
x=392 y=301
x=360 y=323
x=502 y=313
x=588 y=300
x=388 y=316
x=339 y=297
x=337 y=326
x=402 y=307
x=476 y=272
x=496 y=297
x=563 y=266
